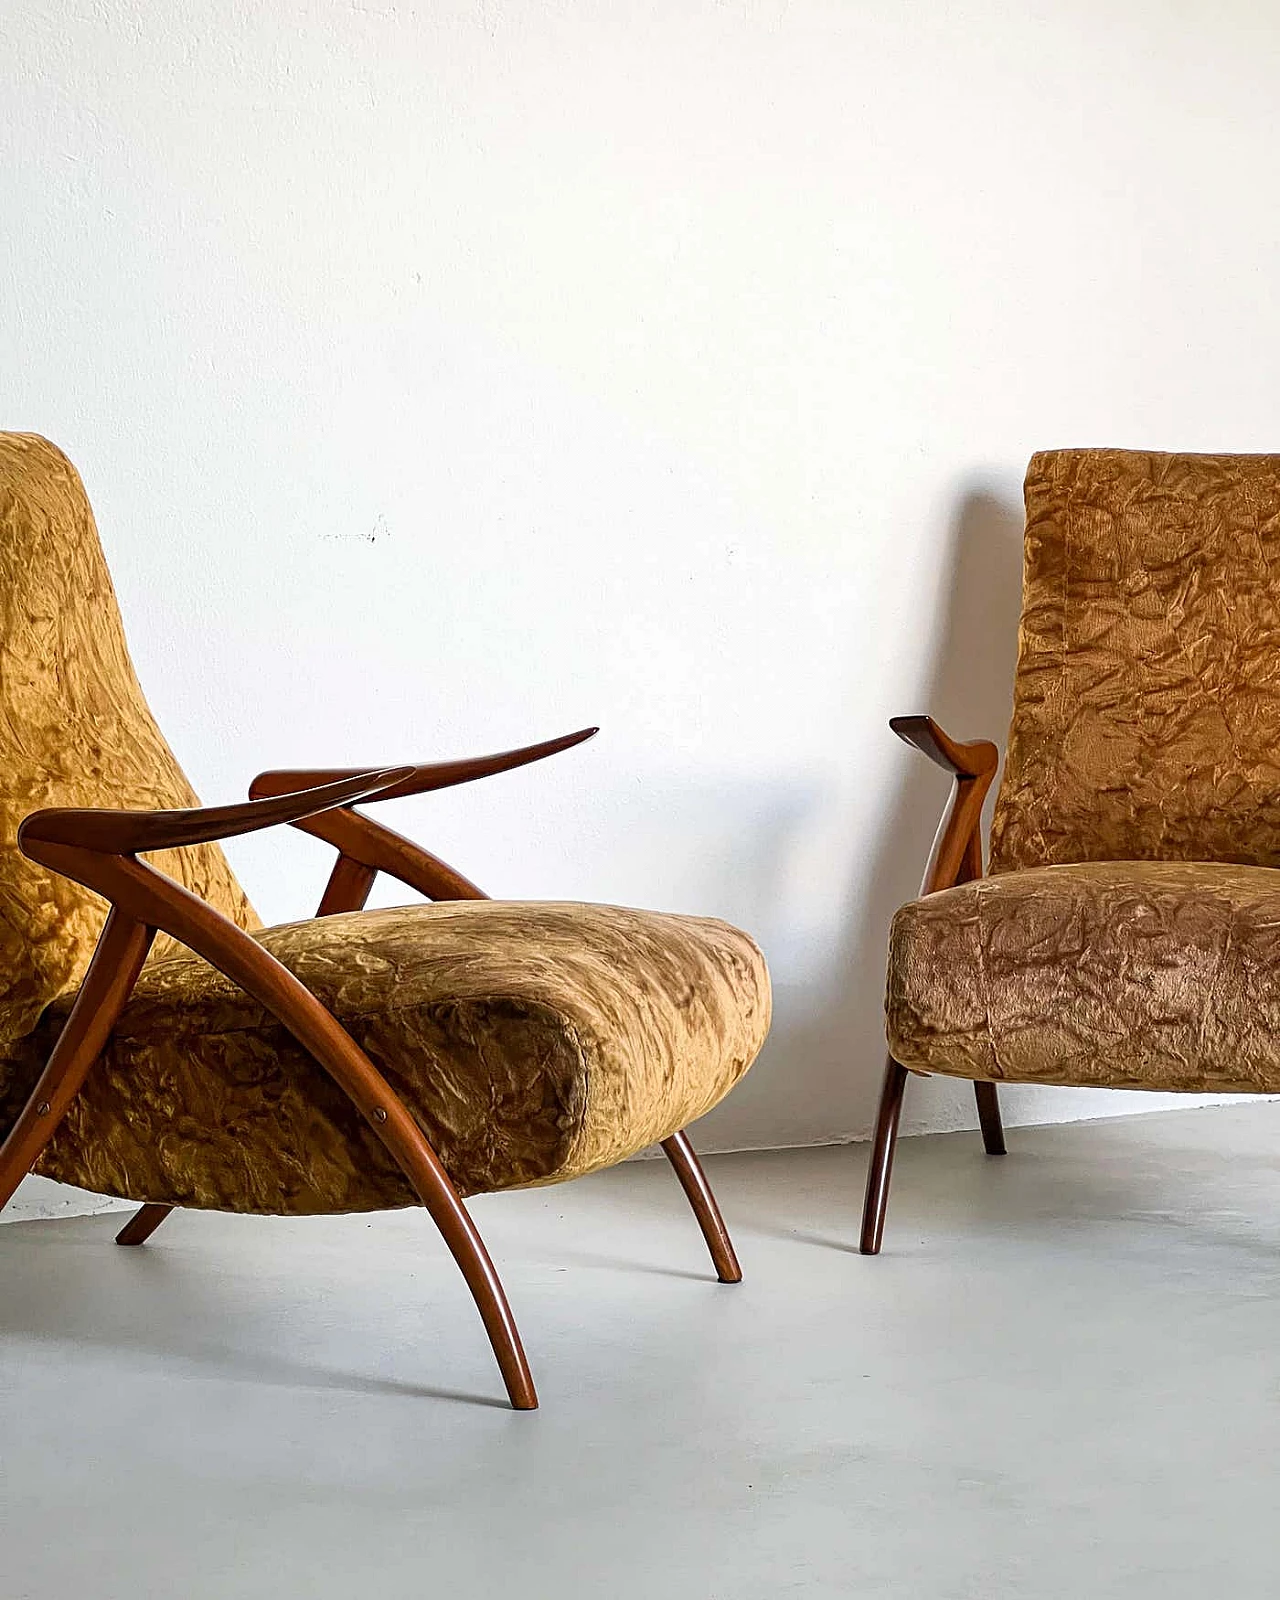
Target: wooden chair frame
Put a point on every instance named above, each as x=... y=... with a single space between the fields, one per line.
x=956 y=857
x=100 y=850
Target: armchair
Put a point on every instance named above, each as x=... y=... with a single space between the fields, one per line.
x=1124 y=934
x=166 y=1048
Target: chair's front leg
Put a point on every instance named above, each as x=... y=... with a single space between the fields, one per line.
x=112 y=973
x=880 y=1167
x=134 y=887
x=956 y=858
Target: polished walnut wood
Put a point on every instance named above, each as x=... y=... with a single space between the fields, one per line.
x=142 y=1224
x=99 y=849
x=144 y=900
x=367 y=847
x=956 y=857
x=129 y=832
x=112 y=973
x=348 y=887
x=423 y=778
x=693 y=1180
x=963 y=760
x=884 y=1141
x=988 y=1099
x=973 y=766
x=375 y=848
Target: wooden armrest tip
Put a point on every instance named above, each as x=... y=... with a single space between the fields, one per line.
x=420 y=779
x=972 y=758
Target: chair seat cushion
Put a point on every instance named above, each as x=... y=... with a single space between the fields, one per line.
x=532 y=1042
x=1124 y=974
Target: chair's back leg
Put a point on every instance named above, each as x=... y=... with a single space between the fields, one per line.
x=881 y=1167
x=107 y=984
x=142 y=1224
x=989 y=1118
x=693 y=1180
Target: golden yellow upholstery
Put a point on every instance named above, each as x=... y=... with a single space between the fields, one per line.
x=1146 y=721
x=1146 y=742
x=532 y=1042
x=1133 y=975
x=74 y=730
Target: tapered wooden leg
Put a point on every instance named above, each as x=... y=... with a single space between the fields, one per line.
x=142 y=1224
x=347 y=890
x=447 y=1211
x=989 y=1118
x=112 y=974
x=882 y=1147
x=693 y=1180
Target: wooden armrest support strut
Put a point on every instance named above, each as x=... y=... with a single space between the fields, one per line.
x=956 y=856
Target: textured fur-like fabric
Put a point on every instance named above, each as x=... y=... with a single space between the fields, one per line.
x=1130 y=932
x=532 y=1042
x=1135 y=975
x=74 y=731
x=1146 y=721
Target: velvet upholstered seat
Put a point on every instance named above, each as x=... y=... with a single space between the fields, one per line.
x=361 y=1059
x=1127 y=934
x=534 y=1042
x=1120 y=975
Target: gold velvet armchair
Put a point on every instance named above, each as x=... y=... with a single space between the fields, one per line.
x=1127 y=932
x=157 y=1043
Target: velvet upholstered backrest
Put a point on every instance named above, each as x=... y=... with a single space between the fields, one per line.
x=1146 y=720
x=75 y=729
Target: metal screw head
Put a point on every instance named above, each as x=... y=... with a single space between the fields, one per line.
x=379 y=1115
x=42 y=1110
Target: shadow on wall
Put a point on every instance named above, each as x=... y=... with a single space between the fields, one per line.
x=969 y=690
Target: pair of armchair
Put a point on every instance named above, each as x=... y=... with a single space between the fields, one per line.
x=158 y=1044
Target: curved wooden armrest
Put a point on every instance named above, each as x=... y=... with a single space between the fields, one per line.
x=121 y=833
x=956 y=856
x=420 y=779
x=971 y=760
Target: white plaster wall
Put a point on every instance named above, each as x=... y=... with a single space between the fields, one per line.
x=447 y=376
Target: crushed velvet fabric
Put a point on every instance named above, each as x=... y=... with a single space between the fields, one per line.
x=1146 y=721
x=1134 y=975
x=532 y=1042
x=1129 y=933
x=75 y=730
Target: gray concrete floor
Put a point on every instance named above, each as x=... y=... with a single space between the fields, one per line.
x=1059 y=1380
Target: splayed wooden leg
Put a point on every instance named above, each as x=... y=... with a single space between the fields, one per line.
x=107 y=984
x=142 y=1224
x=882 y=1148
x=693 y=1180
x=989 y=1118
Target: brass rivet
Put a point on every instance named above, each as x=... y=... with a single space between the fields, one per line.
x=42 y=1110
x=379 y=1115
